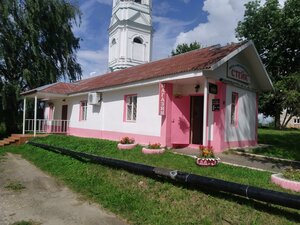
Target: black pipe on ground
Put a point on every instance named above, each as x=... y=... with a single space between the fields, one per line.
x=192 y=180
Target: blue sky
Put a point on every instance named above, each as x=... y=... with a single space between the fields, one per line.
x=175 y=21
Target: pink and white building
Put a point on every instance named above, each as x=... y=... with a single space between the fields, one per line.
x=207 y=96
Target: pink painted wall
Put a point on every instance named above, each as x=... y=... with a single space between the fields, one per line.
x=219 y=143
x=180 y=128
x=219 y=120
x=166 y=120
x=115 y=136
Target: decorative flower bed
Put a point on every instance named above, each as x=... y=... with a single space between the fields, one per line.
x=153 y=149
x=207 y=157
x=286 y=181
x=207 y=161
x=126 y=143
x=126 y=146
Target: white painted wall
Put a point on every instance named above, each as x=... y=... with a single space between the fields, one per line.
x=148 y=121
x=109 y=116
x=247 y=115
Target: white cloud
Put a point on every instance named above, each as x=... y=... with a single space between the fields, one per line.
x=223 y=16
x=162 y=8
x=165 y=35
x=93 y=62
x=85 y=9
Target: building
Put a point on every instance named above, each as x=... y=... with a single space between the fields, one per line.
x=203 y=97
x=294 y=122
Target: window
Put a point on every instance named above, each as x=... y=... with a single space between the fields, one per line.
x=138 y=40
x=234 y=104
x=113 y=42
x=83 y=111
x=130 y=107
x=138 y=1
x=297 y=120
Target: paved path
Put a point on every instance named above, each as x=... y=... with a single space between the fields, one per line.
x=42 y=199
x=251 y=161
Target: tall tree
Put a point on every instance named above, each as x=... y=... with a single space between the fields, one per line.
x=37 y=47
x=275 y=31
x=182 y=48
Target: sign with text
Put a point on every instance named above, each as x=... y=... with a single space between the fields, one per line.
x=216 y=104
x=238 y=72
x=212 y=88
x=162 y=99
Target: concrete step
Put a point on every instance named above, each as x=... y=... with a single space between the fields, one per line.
x=6 y=141
x=9 y=140
x=13 y=139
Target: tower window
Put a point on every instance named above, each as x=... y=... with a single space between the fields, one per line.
x=113 y=42
x=138 y=1
x=138 y=40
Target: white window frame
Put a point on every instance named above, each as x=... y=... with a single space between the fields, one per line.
x=83 y=111
x=130 y=108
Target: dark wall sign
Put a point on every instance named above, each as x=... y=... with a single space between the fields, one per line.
x=216 y=104
x=212 y=88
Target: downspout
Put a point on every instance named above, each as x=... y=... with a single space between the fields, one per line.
x=24 y=115
x=204 y=140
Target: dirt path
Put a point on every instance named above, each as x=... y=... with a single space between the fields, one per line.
x=26 y=193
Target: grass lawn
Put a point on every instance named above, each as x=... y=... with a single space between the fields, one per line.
x=285 y=143
x=142 y=200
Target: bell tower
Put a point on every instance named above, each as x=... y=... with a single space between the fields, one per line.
x=130 y=34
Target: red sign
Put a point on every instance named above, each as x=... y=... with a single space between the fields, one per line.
x=162 y=99
x=238 y=72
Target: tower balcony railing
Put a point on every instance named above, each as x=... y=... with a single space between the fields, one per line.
x=47 y=126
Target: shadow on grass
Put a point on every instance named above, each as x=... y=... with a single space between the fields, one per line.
x=290 y=214
x=281 y=211
x=284 y=144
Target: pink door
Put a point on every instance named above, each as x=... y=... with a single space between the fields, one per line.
x=180 y=133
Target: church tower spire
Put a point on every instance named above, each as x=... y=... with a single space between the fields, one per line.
x=130 y=33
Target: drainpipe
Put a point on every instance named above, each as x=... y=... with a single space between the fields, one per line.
x=24 y=115
x=35 y=115
x=205 y=112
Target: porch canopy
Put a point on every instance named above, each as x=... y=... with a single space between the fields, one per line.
x=43 y=93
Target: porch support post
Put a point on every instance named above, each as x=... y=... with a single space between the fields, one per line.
x=35 y=115
x=24 y=115
x=205 y=112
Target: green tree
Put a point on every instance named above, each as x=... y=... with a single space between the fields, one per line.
x=275 y=31
x=37 y=47
x=182 y=48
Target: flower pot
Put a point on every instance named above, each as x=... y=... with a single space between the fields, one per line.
x=153 y=151
x=207 y=161
x=126 y=146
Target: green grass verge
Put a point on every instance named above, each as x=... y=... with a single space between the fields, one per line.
x=284 y=143
x=142 y=200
